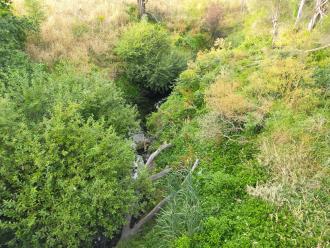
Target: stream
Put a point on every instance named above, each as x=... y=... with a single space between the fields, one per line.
x=147 y=104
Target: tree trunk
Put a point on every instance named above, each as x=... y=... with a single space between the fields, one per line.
x=320 y=9
x=141 y=7
x=243 y=6
x=300 y=10
x=275 y=24
x=152 y=157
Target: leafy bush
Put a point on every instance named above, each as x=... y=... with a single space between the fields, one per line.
x=5 y=6
x=222 y=97
x=194 y=42
x=12 y=40
x=65 y=161
x=66 y=185
x=35 y=91
x=148 y=57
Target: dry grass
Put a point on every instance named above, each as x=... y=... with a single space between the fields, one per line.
x=297 y=175
x=222 y=97
x=279 y=78
x=74 y=29
x=211 y=128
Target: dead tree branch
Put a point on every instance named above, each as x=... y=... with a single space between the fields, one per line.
x=141 y=7
x=127 y=231
x=160 y=174
x=318 y=48
x=319 y=13
x=275 y=17
x=155 y=154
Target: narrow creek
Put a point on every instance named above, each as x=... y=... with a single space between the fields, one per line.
x=147 y=104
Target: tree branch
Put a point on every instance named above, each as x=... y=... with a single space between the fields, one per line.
x=318 y=48
x=320 y=9
x=156 y=153
x=127 y=232
x=160 y=174
x=145 y=219
x=194 y=166
x=299 y=15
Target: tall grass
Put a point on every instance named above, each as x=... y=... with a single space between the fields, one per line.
x=74 y=29
x=183 y=214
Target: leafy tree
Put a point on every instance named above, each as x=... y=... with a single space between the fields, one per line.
x=148 y=57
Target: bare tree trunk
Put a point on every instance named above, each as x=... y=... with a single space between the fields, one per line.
x=320 y=9
x=141 y=7
x=127 y=232
x=275 y=24
x=318 y=48
x=300 y=10
x=243 y=6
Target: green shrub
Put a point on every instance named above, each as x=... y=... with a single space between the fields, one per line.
x=5 y=5
x=35 y=91
x=251 y=223
x=195 y=42
x=12 y=40
x=148 y=57
x=66 y=185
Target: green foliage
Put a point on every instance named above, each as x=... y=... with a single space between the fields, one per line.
x=195 y=42
x=35 y=11
x=250 y=223
x=148 y=57
x=253 y=110
x=73 y=181
x=65 y=160
x=12 y=38
x=258 y=175
x=35 y=92
x=5 y=6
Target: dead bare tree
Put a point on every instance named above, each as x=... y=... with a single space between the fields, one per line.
x=243 y=6
x=142 y=7
x=300 y=11
x=129 y=231
x=152 y=157
x=275 y=16
x=319 y=13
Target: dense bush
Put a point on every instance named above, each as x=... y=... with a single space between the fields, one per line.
x=59 y=144
x=64 y=154
x=65 y=185
x=35 y=91
x=149 y=59
x=12 y=39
